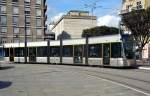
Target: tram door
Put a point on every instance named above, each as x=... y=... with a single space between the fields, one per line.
x=106 y=54
x=78 y=54
x=11 y=54
x=32 y=55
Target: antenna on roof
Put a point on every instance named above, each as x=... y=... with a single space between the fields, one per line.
x=92 y=6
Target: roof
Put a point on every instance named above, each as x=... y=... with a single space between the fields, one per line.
x=79 y=41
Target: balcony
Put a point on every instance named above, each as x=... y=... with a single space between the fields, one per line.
x=124 y=11
x=44 y=2
x=45 y=18
x=3 y=1
x=45 y=8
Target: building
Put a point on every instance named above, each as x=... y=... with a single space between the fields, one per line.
x=20 y=16
x=129 y=5
x=73 y=23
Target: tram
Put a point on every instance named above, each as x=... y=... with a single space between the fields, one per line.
x=111 y=50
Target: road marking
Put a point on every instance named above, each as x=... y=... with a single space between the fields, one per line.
x=120 y=84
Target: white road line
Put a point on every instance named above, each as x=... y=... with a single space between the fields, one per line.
x=121 y=85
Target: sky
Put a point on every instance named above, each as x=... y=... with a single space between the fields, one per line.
x=106 y=10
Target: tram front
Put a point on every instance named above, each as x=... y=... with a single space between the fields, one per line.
x=129 y=50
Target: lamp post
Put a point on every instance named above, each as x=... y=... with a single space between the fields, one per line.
x=86 y=48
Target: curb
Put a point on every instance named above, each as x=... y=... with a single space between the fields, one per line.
x=144 y=68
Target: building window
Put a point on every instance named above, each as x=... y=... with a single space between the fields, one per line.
x=27 y=1
x=38 y=22
x=28 y=21
x=3 y=1
x=14 y=0
x=4 y=29
x=28 y=30
x=27 y=10
x=15 y=10
x=16 y=30
x=3 y=20
x=38 y=2
x=39 y=32
x=15 y=20
x=3 y=9
x=16 y=41
x=139 y=5
x=38 y=12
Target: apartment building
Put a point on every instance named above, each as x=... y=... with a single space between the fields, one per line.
x=20 y=16
x=73 y=23
x=129 y=5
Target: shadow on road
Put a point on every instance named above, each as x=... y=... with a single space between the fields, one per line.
x=5 y=84
x=6 y=67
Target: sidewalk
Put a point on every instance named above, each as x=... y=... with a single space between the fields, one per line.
x=144 y=65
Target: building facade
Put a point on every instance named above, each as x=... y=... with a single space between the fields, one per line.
x=20 y=16
x=73 y=24
x=129 y=5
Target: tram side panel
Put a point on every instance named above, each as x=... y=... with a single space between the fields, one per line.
x=116 y=55
x=95 y=54
x=67 y=54
x=55 y=55
x=41 y=56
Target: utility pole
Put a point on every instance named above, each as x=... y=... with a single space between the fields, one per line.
x=61 y=47
x=25 y=37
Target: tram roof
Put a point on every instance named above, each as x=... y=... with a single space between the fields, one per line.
x=79 y=41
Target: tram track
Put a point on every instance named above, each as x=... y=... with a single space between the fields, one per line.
x=136 y=84
x=138 y=89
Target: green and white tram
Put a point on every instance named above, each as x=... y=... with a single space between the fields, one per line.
x=111 y=50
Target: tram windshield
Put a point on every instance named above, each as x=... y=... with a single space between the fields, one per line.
x=1 y=53
x=128 y=46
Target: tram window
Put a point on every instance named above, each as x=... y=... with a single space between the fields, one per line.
x=129 y=53
x=6 y=52
x=1 y=52
x=32 y=51
x=41 y=52
x=95 y=50
x=11 y=51
x=19 y=52
x=115 y=50
x=78 y=50
x=22 y=52
x=67 y=51
x=128 y=49
x=55 y=51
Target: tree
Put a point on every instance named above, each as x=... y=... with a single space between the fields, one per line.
x=64 y=35
x=138 y=22
x=100 y=31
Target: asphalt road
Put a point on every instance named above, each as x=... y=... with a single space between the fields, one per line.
x=134 y=78
x=60 y=80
